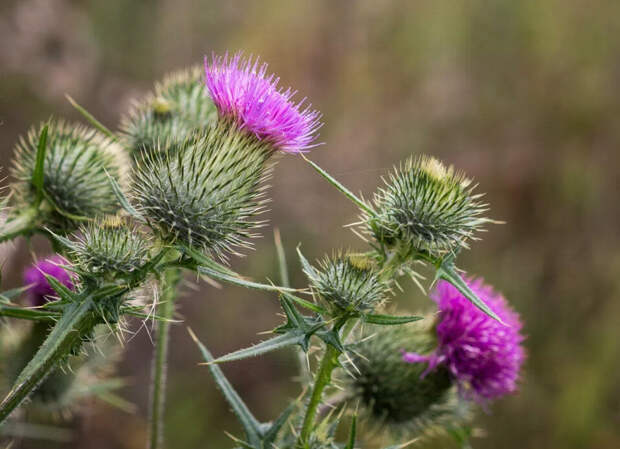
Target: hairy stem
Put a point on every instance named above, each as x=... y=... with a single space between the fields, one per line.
x=19 y=225
x=165 y=310
x=321 y=381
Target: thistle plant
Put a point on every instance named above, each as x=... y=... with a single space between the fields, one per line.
x=181 y=188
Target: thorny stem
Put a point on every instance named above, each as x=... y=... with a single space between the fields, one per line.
x=322 y=380
x=165 y=310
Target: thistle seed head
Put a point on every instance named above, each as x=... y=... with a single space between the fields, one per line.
x=404 y=401
x=206 y=195
x=426 y=206
x=177 y=108
x=348 y=283
x=108 y=248
x=74 y=177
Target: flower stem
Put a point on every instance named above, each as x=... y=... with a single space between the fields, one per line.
x=19 y=225
x=322 y=380
x=165 y=310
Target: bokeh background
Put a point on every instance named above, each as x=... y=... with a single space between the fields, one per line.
x=523 y=96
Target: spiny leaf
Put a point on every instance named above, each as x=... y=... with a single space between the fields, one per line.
x=122 y=199
x=203 y=260
x=6 y=296
x=28 y=314
x=64 y=241
x=360 y=203
x=304 y=303
x=37 y=174
x=241 y=282
x=307 y=267
x=284 y=278
x=61 y=289
x=250 y=424
x=91 y=119
x=271 y=434
x=447 y=271
x=352 y=432
x=76 y=322
x=278 y=342
x=390 y=320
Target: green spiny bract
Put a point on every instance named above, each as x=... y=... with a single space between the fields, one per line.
x=207 y=194
x=399 y=396
x=348 y=283
x=179 y=106
x=425 y=206
x=109 y=249
x=75 y=182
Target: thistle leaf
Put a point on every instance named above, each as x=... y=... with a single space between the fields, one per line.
x=241 y=282
x=91 y=119
x=27 y=314
x=447 y=271
x=122 y=199
x=250 y=424
x=77 y=321
x=271 y=434
x=390 y=320
x=5 y=297
x=61 y=289
x=291 y=338
x=360 y=203
x=352 y=432
x=62 y=240
x=284 y=277
x=37 y=173
x=304 y=303
x=203 y=260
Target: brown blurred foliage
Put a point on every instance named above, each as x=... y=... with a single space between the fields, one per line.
x=523 y=96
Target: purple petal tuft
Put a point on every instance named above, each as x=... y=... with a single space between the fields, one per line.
x=242 y=90
x=34 y=276
x=483 y=355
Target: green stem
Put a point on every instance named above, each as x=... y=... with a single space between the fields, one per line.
x=77 y=321
x=19 y=225
x=165 y=310
x=322 y=380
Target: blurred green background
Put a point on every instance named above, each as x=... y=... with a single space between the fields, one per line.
x=521 y=95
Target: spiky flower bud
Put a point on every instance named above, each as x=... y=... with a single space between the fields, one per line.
x=396 y=394
x=347 y=283
x=177 y=108
x=244 y=93
x=207 y=194
x=108 y=249
x=426 y=206
x=40 y=291
x=74 y=177
x=482 y=354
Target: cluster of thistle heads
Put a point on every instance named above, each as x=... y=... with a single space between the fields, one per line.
x=182 y=187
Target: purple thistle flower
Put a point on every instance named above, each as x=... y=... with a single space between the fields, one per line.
x=34 y=276
x=482 y=354
x=242 y=90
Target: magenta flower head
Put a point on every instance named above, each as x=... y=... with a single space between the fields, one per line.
x=40 y=289
x=242 y=91
x=483 y=355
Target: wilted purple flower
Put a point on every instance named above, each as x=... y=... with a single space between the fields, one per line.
x=40 y=288
x=242 y=90
x=482 y=354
